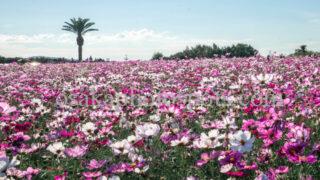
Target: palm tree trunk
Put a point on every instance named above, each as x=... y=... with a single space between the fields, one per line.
x=80 y=52
x=80 y=41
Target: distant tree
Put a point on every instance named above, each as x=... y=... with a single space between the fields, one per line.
x=241 y=50
x=157 y=56
x=80 y=27
x=302 y=51
x=2 y=59
x=303 y=48
x=216 y=51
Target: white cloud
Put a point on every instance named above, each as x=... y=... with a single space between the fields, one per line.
x=93 y=38
x=136 y=44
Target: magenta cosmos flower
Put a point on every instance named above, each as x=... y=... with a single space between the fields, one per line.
x=294 y=153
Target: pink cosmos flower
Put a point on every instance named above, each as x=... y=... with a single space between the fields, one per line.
x=118 y=168
x=66 y=134
x=282 y=170
x=182 y=137
x=235 y=173
x=61 y=177
x=138 y=112
x=228 y=160
x=316 y=148
x=77 y=151
x=272 y=174
x=94 y=164
x=173 y=109
x=31 y=172
x=71 y=119
x=20 y=136
x=92 y=174
x=249 y=125
x=125 y=167
x=265 y=155
x=298 y=134
x=293 y=151
x=205 y=158
x=21 y=174
x=6 y=109
x=269 y=136
x=243 y=166
x=306 y=177
x=15 y=172
x=269 y=175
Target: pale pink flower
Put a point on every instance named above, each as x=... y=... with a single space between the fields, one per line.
x=6 y=109
x=77 y=151
x=92 y=174
x=94 y=164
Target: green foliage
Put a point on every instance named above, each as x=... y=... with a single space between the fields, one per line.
x=241 y=50
x=303 y=51
x=2 y=59
x=205 y=51
x=157 y=56
x=11 y=60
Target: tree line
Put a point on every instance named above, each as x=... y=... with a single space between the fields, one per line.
x=238 y=50
x=303 y=51
x=44 y=59
x=206 y=51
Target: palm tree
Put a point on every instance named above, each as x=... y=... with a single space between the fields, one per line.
x=303 y=49
x=80 y=27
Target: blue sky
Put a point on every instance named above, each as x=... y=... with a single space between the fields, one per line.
x=140 y=27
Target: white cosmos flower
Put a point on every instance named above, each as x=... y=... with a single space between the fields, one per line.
x=36 y=101
x=154 y=118
x=262 y=78
x=234 y=86
x=241 y=141
x=208 y=141
x=5 y=164
x=203 y=142
x=143 y=170
x=226 y=168
x=132 y=138
x=214 y=133
x=112 y=178
x=147 y=130
x=122 y=147
x=229 y=122
x=88 y=128
x=184 y=140
x=56 y=148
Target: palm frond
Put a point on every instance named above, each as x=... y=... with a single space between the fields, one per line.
x=79 y=25
x=88 y=25
x=89 y=30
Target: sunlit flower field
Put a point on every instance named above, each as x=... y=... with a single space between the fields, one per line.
x=250 y=118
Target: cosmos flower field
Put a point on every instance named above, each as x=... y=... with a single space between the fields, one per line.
x=250 y=118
